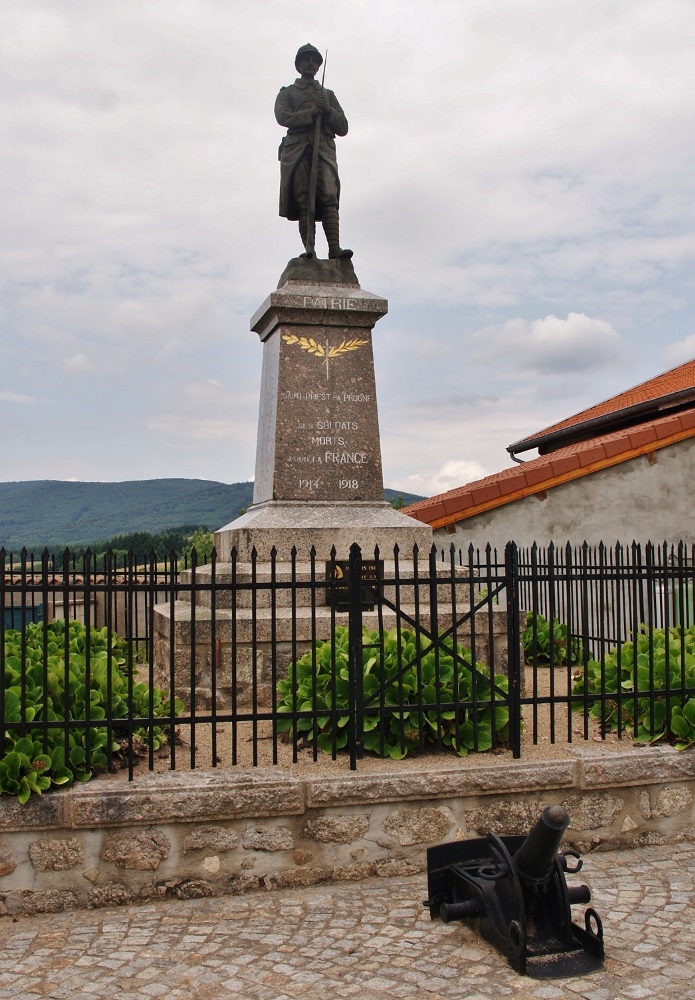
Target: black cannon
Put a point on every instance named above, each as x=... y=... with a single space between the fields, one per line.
x=513 y=891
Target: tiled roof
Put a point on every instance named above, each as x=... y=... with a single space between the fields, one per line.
x=648 y=398
x=561 y=466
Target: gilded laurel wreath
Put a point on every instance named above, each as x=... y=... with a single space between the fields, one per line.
x=321 y=351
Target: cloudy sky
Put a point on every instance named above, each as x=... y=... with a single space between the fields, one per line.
x=518 y=181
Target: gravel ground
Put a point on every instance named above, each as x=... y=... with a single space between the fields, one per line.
x=544 y=737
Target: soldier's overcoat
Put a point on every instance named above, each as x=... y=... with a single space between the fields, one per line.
x=293 y=108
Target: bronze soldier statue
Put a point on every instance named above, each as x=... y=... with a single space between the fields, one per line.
x=309 y=112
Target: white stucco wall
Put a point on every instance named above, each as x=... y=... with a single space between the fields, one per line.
x=650 y=498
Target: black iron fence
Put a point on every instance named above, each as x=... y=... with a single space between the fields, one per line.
x=112 y=663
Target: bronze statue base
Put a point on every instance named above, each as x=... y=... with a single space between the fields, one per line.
x=339 y=271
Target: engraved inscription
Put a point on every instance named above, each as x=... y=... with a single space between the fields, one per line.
x=346 y=457
x=327 y=425
x=329 y=302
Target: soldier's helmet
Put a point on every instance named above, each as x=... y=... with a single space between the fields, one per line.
x=303 y=51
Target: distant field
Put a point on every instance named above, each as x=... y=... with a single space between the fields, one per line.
x=54 y=513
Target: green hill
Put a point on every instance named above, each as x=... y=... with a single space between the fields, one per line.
x=54 y=513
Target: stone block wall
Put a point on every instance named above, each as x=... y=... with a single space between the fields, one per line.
x=258 y=644
x=200 y=833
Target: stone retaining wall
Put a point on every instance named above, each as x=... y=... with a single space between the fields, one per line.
x=188 y=834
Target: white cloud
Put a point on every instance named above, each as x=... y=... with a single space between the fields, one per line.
x=506 y=160
x=450 y=476
x=550 y=345
x=680 y=351
x=10 y=396
x=78 y=364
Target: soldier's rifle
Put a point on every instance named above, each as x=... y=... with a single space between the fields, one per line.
x=314 y=177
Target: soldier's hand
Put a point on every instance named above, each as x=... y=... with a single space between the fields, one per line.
x=322 y=104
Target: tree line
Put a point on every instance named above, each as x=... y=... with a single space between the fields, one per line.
x=141 y=544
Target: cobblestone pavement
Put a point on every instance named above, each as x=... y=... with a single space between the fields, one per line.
x=364 y=940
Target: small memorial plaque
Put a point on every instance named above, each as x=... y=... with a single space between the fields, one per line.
x=338 y=582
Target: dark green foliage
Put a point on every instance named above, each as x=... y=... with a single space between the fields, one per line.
x=641 y=667
x=418 y=712
x=543 y=643
x=38 y=690
x=398 y=499
x=142 y=544
x=58 y=514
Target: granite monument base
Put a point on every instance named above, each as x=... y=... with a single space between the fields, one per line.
x=318 y=486
x=325 y=526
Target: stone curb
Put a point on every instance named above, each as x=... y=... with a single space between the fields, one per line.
x=196 y=796
x=205 y=833
x=599 y=768
x=176 y=797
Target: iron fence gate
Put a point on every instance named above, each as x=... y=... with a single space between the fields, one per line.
x=449 y=599
x=391 y=653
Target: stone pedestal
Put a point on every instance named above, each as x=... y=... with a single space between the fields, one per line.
x=248 y=627
x=318 y=485
x=318 y=459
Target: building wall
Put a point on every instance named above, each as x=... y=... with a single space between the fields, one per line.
x=650 y=498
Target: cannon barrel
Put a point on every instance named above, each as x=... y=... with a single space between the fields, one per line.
x=459 y=911
x=579 y=894
x=535 y=858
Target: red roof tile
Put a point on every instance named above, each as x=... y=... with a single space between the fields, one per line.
x=594 y=452
x=642 y=435
x=566 y=464
x=661 y=388
x=616 y=446
x=482 y=493
x=542 y=473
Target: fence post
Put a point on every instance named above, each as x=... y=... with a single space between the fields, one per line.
x=514 y=665
x=355 y=665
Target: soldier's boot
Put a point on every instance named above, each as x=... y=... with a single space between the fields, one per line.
x=304 y=232
x=331 y=227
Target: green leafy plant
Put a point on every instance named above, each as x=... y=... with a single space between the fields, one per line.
x=544 y=642
x=202 y=541
x=60 y=671
x=414 y=698
x=651 y=675
x=683 y=724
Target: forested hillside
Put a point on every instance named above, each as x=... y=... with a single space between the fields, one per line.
x=54 y=513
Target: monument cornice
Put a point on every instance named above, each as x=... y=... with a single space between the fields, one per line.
x=318 y=304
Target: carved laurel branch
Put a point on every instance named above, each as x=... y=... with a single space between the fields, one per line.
x=345 y=346
x=313 y=347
